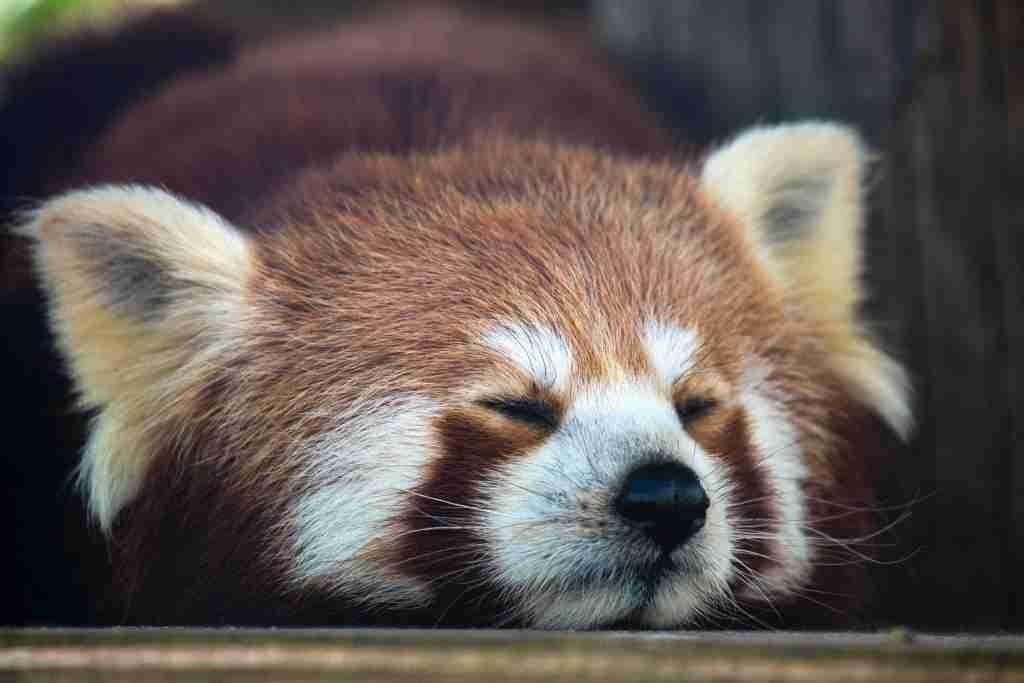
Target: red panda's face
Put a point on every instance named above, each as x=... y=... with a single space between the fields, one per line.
x=535 y=387
x=570 y=496
x=593 y=495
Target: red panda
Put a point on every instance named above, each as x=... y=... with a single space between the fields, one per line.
x=429 y=321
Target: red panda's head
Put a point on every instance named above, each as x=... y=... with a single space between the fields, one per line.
x=505 y=383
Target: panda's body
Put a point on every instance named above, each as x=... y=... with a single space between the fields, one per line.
x=427 y=321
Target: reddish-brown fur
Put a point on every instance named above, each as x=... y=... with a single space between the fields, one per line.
x=420 y=308
x=441 y=172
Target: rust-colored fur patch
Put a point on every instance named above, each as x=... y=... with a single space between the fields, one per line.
x=401 y=189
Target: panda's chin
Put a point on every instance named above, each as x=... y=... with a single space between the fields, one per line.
x=664 y=597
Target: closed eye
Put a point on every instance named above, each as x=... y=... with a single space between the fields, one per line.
x=532 y=411
x=694 y=408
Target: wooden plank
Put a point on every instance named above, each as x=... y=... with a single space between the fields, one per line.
x=393 y=655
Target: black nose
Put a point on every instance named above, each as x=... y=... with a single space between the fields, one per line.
x=665 y=500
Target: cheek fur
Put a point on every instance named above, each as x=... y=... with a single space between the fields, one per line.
x=349 y=480
x=440 y=542
x=752 y=515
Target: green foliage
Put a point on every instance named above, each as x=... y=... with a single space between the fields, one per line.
x=22 y=22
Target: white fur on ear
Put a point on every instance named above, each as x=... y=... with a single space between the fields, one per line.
x=145 y=292
x=798 y=190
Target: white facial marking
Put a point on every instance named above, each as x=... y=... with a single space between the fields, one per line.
x=359 y=476
x=677 y=601
x=544 y=540
x=539 y=351
x=583 y=608
x=777 y=446
x=671 y=350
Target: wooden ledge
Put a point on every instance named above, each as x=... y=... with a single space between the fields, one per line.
x=161 y=654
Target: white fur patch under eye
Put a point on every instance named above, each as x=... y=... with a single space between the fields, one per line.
x=539 y=351
x=672 y=350
x=366 y=465
x=778 y=450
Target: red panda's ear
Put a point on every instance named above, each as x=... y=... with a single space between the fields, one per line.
x=798 y=191
x=145 y=292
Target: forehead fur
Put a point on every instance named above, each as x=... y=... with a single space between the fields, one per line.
x=661 y=354
x=540 y=352
x=672 y=350
x=410 y=262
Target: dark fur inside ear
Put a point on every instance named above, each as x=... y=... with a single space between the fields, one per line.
x=133 y=282
x=797 y=192
x=794 y=207
x=134 y=251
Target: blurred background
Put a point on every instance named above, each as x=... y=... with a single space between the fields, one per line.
x=938 y=90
